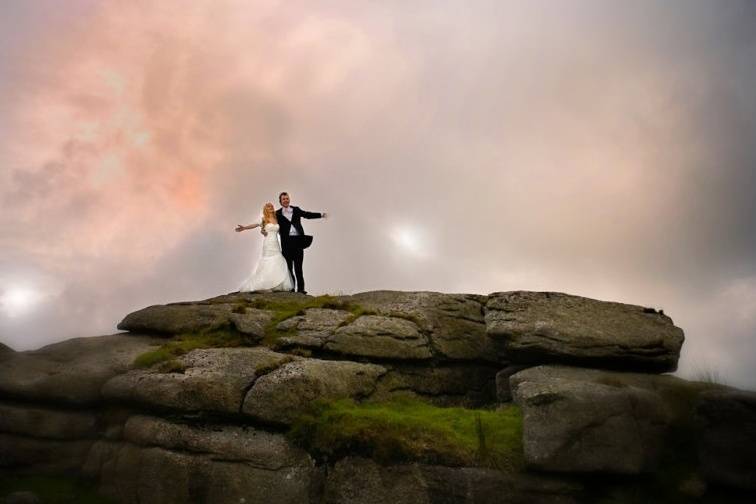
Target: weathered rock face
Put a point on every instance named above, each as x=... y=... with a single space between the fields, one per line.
x=588 y=420
x=45 y=439
x=47 y=423
x=153 y=475
x=282 y=395
x=551 y=327
x=312 y=329
x=355 y=479
x=213 y=379
x=381 y=337
x=42 y=455
x=427 y=334
x=177 y=318
x=398 y=326
x=5 y=351
x=208 y=425
x=727 y=450
x=254 y=447
x=72 y=371
x=251 y=322
x=453 y=323
x=369 y=336
x=463 y=384
x=395 y=325
x=503 y=391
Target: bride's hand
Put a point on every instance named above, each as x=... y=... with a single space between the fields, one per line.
x=239 y=228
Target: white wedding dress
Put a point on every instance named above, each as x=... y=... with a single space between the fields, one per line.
x=271 y=273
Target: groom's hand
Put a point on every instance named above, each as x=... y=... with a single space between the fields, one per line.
x=263 y=232
x=324 y=215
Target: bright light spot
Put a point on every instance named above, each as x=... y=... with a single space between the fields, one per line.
x=408 y=240
x=18 y=300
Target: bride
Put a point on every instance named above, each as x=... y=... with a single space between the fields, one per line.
x=271 y=273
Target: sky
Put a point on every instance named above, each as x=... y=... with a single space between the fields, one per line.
x=601 y=148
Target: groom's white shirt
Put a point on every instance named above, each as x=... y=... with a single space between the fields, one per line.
x=288 y=212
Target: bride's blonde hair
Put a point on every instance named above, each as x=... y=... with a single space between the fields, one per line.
x=269 y=214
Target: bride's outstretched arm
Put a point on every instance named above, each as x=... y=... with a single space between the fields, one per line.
x=241 y=228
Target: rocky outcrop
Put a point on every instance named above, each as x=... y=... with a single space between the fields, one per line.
x=503 y=390
x=72 y=371
x=251 y=322
x=355 y=479
x=369 y=336
x=26 y=420
x=312 y=329
x=551 y=327
x=727 y=450
x=38 y=455
x=381 y=337
x=255 y=447
x=282 y=395
x=5 y=351
x=212 y=379
x=137 y=474
x=177 y=318
x=453 y=323
x=463 y=384
x=194 y=403
x=590 y=420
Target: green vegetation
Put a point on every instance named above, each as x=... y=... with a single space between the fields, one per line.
x=172 y=366
x=412 y=430
x=53 y=489
x=357 y=311
x=282 y=308
x=185 y=343
x=285 y=308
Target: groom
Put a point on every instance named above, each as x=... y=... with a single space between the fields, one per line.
x=293 y=238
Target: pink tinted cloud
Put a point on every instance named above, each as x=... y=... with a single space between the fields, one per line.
x=127 y=117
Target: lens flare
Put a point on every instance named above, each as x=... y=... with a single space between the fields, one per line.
x=17 y=301
x=408 y=240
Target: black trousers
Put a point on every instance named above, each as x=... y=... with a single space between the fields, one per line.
x=294 y=255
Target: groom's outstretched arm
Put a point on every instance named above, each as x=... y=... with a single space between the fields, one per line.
x=312 y=215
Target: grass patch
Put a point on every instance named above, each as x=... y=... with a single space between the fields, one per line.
x=412 y=430
x=282 y=309
x=356 y=312
x=285 y=308
x=185 y=343
x=53 y=489
x=172 y=366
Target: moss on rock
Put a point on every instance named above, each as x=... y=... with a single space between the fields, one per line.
x=185 y=343
x=412 y=430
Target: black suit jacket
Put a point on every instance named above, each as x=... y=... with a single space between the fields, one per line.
x=296 y=221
